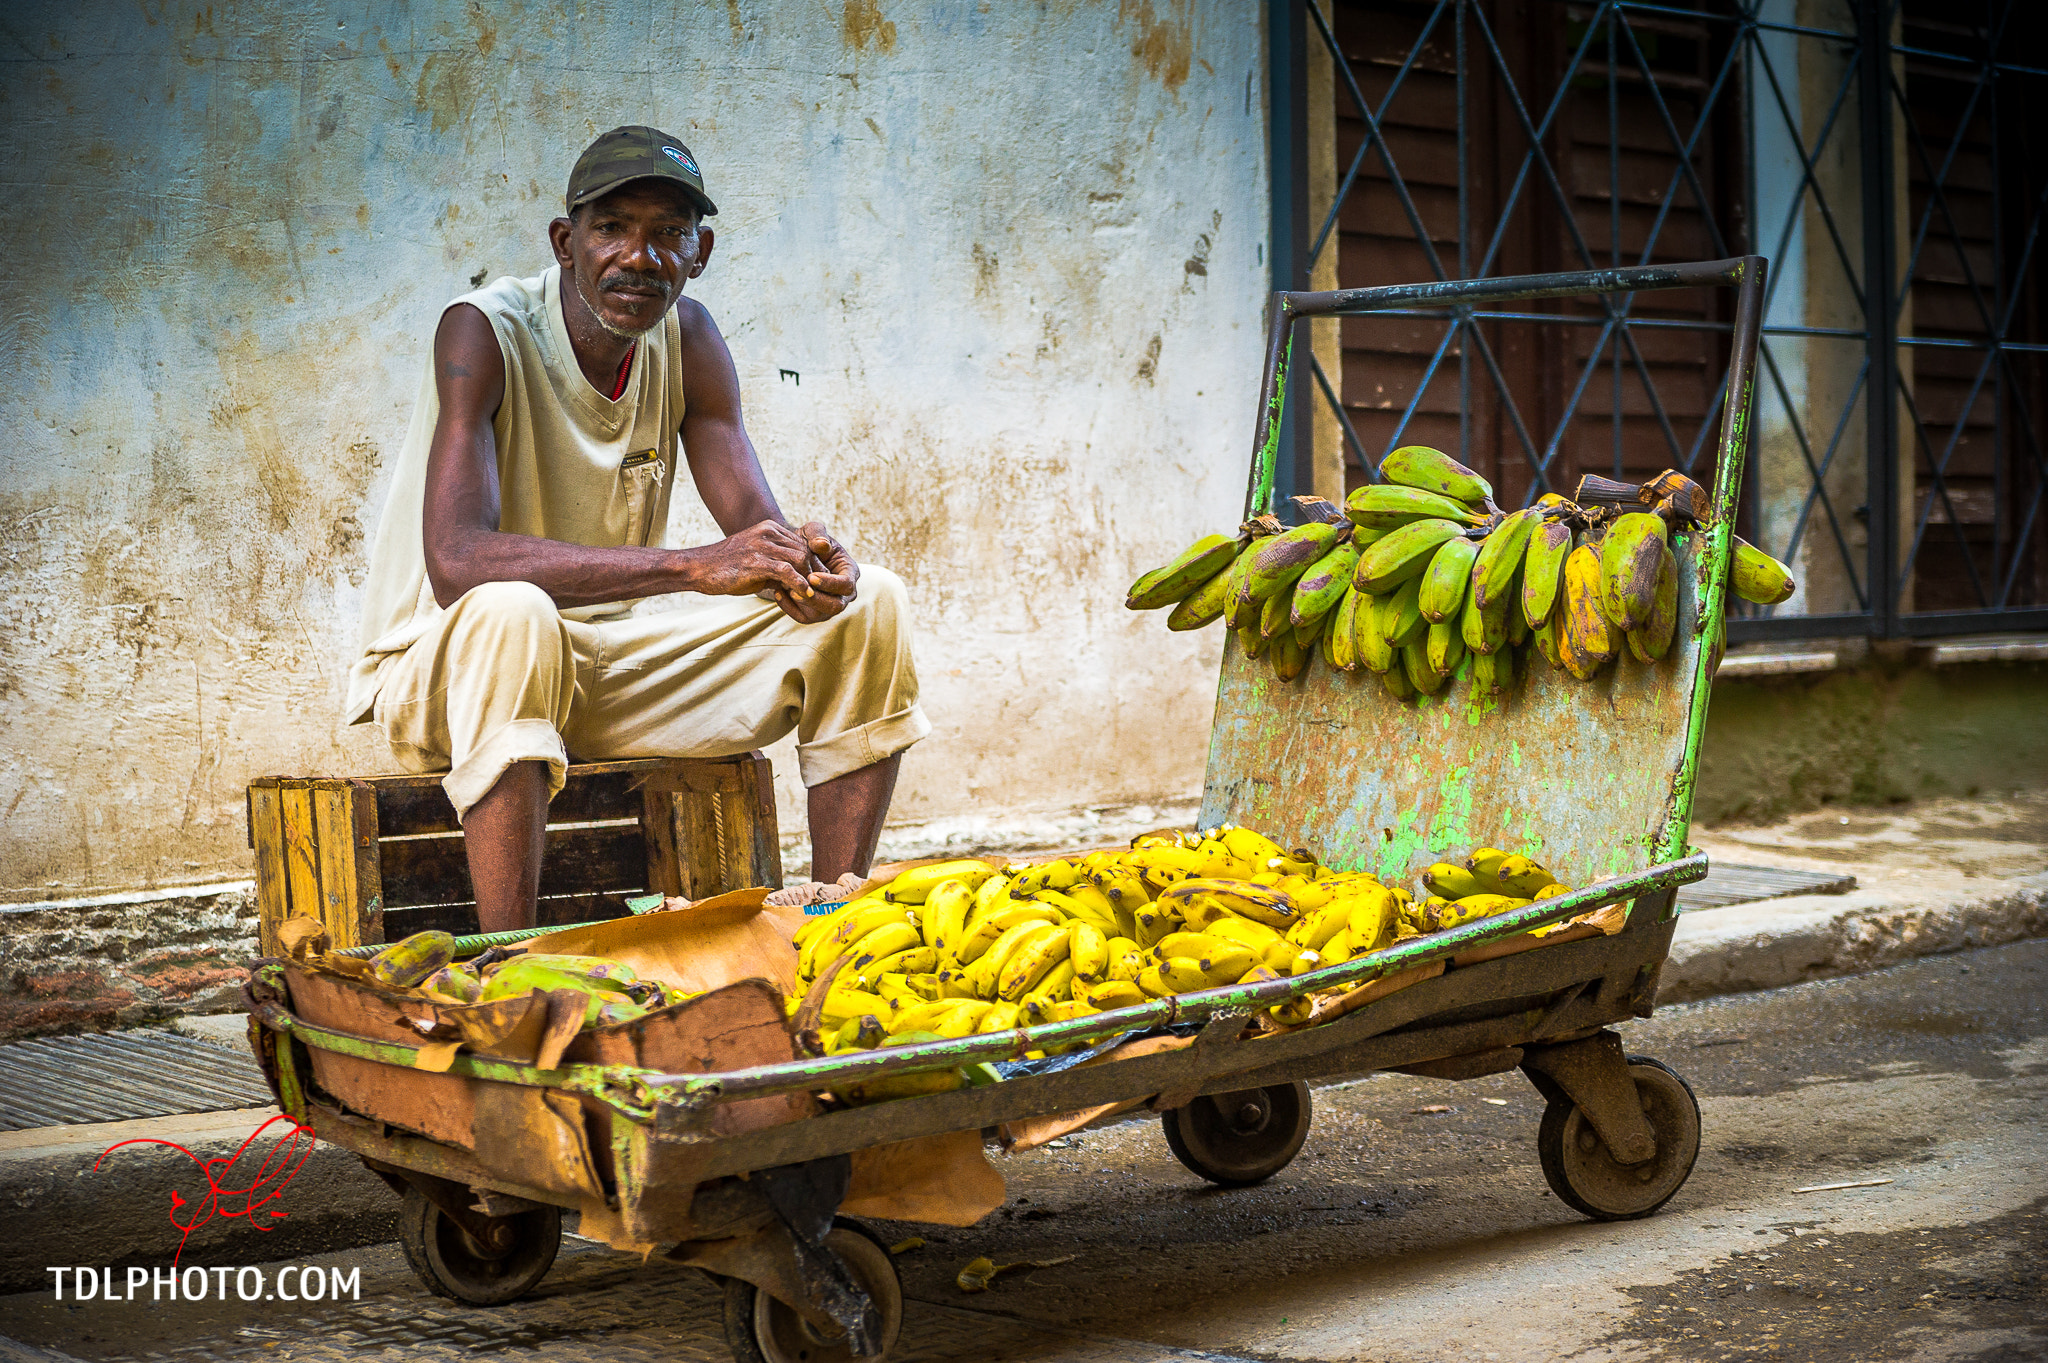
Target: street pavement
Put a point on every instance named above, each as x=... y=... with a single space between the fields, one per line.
x=1415 y=1225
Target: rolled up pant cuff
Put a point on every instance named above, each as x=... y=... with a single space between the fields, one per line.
x=824 y=759
x=518 y=740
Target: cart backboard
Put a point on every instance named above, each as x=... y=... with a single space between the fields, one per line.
x=1592 y=779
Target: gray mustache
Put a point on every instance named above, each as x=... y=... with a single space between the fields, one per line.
x=633 y=279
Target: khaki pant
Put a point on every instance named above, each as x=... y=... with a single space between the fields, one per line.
x=501 y=677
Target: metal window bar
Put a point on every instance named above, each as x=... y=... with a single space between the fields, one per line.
x=2002 y=578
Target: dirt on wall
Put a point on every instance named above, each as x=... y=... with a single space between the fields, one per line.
x=959 y=309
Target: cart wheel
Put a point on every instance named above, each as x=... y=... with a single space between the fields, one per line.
x=1238 y=1139
x=760 y=1329
x=452 y=1264
x=1585 y=1177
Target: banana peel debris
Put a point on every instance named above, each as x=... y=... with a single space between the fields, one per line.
x=979 y=1274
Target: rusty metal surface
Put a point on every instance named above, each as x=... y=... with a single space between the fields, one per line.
x=1578 y=775
x=1590 y=778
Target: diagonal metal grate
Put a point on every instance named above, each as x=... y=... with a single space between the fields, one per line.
x=116 y=1076
x=1887 y=155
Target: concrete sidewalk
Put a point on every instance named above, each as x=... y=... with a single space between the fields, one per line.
x=1935 y=877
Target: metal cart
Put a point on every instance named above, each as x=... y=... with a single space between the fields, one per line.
x=1594 y=778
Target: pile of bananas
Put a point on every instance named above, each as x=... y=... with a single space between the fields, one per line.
x=961 y=947
x=1488 y=882
x=425 y=964
x=1421 y=572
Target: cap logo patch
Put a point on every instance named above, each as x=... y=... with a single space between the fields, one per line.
x=681 y=158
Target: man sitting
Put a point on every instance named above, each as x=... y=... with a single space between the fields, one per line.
x=524 y=521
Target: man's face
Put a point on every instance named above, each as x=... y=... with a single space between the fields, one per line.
x=629 y=252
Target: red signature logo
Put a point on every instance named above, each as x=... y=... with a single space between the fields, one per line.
x=289 y=1152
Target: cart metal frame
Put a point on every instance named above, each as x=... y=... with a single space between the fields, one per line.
x=1545 y=1010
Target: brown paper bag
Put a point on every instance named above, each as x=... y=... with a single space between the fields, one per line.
x=945 y=1180
x=709 y=944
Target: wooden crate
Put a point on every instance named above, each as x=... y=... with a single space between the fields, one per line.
x=378 y=857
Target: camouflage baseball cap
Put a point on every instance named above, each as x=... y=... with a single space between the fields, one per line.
x=636 y=153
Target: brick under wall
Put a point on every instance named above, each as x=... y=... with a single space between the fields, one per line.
x=123 y=960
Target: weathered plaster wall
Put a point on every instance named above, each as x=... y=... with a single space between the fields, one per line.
x=1874 y=734
x=991 y=273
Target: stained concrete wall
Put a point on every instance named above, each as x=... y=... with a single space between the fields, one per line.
x=992 y=274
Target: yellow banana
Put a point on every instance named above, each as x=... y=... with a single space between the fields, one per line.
x=1313 y=930
x=1551 y=892
x=1484 y=864
x=1052 y=875
x=856 y=927
x=1373 y=918
x=914 y=885
x=962 y=1021
x=925 y=1016
x=1520 y=876
x=1154 y=922
x=1247 y=845
x=1028 y=961
x=1241 y=930
x=1153 y=983
x=1261 y=904
x=1113 y=994
x=1477 y=906
x=1057 y=984
x=1180 y=974
x=1756 y=576
x=1185 y=944
x=945 y=912
x=990 y=930
x=994 y=893
x=841 y=1004
x=886 y=940
x=1000 y=1017
x=1452 y=882
x=1088 y=949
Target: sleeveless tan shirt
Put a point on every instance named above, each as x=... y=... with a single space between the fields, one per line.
x=572 y=464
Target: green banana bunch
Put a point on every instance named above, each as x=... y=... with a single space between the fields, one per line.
x=1543 y=570
x=1369 y=634
x=1630 y=555
x=1423 y=467
x=1204 y=605
x=1448 y=578
x=1192 y=567
x=1653 y=640
x=1323 y=586
x=1588 y=643
x=1278 y=562
x=1500 y=557
x=1402 y=554
x=1340 y=646
x=1389 y=506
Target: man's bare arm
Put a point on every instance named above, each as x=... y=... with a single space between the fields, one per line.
x=728 y=472
x=465 y=548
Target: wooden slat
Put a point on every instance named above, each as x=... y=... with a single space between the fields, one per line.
x=368 y=863
x=577 y=860
x=460 y=919
x=301 y=858
x=711 y=827
x=588 y=793
x=266 y=835
x=334 y=853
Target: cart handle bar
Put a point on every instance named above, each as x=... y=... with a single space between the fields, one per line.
x=1243 y=999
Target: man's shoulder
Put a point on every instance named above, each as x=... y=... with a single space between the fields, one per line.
x=507 y=296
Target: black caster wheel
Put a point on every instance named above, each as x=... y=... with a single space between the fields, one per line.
x=1238 y=1139
x=1586 y=1177
x=760 y=1329
x=452 y=1263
